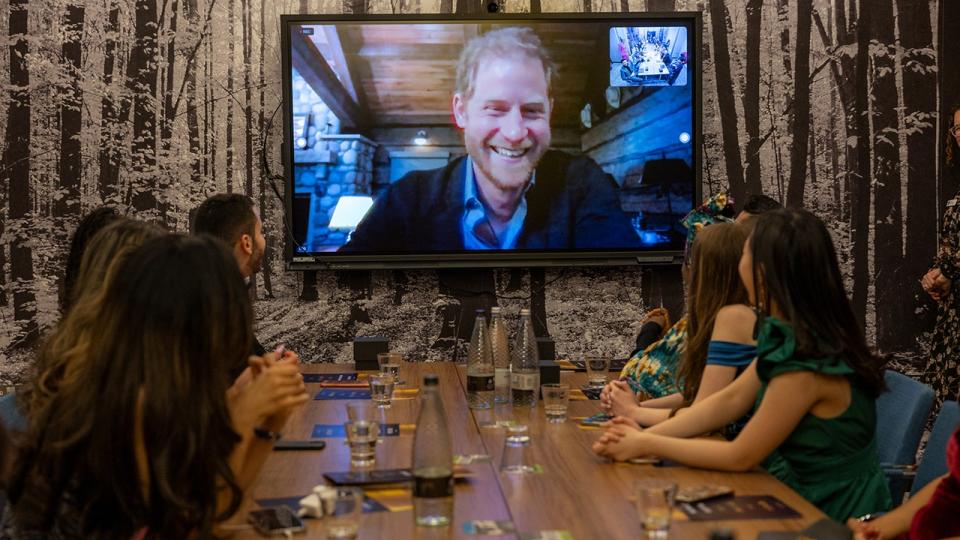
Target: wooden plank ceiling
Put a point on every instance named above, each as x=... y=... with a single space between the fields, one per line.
x=404 y=74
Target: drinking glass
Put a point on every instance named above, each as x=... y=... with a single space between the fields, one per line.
x=342 y=508
x=381 y=389
x=598 y=367
x=655 y=505
x=363 y=430
x=556 y=399
x=390 y=363
x=516 y=457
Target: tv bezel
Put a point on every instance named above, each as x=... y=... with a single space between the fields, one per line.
x=484 y=259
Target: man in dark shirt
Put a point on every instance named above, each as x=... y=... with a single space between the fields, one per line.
x=509 y=192
x=234 y=219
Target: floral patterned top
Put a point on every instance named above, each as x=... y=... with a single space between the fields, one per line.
x=943 y=370
x=948 y=254
x=653 y=372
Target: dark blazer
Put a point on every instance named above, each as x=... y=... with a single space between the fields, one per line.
x=573 y=204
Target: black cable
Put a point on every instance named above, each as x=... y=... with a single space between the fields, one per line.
x=272 y=178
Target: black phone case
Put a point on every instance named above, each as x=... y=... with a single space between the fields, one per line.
x=367 y=478
x=299 y=445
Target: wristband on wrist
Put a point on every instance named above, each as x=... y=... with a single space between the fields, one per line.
x=266 y=434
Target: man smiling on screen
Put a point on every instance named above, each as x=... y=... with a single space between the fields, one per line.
x=510 y=191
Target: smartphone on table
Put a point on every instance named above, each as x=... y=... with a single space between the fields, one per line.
x=276 y=521
x=706 y=492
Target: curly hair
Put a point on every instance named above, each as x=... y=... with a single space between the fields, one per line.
x=953 y=150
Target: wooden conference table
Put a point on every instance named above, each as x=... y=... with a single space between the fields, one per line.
x=577 y=491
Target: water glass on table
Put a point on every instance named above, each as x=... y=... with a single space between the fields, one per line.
x=390 y=364
x=556 y=399
x=598 y=368
x=381 y=389
x=516 y=457
x=654 y=498
x=363 y=430
x=341 y=513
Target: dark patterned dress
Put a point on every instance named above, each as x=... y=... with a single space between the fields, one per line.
x=943 y=372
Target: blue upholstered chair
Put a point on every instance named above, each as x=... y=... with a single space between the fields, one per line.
x=13 y=421
x=902 y=413
x=10 y=414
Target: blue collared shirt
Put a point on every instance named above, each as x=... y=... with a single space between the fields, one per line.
x=477 y=231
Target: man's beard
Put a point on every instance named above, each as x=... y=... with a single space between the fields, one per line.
x=500 y=184
x=256 y=262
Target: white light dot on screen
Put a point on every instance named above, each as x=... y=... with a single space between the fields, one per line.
x=684 y=137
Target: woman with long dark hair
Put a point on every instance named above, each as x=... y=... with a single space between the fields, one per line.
x=102 y=255
x=943 y=371
x=814 y=381
x=719 y=326
x=144 y=439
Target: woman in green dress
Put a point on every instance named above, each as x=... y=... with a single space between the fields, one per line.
x=812 y=387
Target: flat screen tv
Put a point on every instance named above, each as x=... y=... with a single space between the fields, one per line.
x=501 y=140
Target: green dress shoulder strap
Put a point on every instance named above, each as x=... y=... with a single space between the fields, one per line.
x=777 y=353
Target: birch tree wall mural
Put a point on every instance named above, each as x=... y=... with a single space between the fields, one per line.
x=151 y=106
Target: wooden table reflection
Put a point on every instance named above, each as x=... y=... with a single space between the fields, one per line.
x=577 y=491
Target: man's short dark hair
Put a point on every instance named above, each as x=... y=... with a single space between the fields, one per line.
x=760 y=203
x=226 y=216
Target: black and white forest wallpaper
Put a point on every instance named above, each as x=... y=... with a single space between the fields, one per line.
x=153 y=105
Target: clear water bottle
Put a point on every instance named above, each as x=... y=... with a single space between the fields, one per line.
x=432 y=460
x=480 y=372
x=525 y=368
x=501 y=356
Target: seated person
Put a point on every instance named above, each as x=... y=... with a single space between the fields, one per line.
x=510 y=191
x=87 y=228
x=628 y=73
x=755 y=205
x=102 y=256
x=719 y=342
x=654 y=323
x=813 y=385
x=144 y=439
x=233 y=218
x=929 y=514
x=651 y=372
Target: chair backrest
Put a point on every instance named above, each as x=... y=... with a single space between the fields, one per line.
x=934 y=462
x=902 y=413
x=10 y=414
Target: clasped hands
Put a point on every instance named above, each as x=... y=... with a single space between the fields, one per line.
x=622 y=438
x=268 y=391
x=936 y=284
